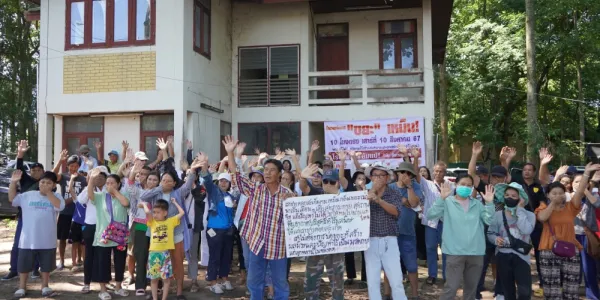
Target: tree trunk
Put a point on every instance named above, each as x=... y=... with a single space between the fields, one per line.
x=532 y=124
x=580 y=112
x=443 y=106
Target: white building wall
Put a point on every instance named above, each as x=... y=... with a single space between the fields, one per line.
x=207 y=80
x=115 y=131
x=292 y=23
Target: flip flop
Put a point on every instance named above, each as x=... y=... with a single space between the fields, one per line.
x=20 y=293
x=48 y=292
x=85 y=289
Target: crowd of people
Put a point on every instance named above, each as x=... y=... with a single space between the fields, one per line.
x=130 y=215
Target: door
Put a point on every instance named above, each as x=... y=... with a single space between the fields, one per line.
x=332 y=55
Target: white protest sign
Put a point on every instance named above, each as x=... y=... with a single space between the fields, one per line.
x=377 y=140
x=326 y=224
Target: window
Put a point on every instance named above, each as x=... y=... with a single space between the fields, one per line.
x=154 y=127
x=202 y=27
x=398 y=44
x=268 y=136
x=225 y=130
x=109 y=23
x=79 y=131
x=268 y=76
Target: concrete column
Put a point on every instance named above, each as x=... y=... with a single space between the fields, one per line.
x=428 y=90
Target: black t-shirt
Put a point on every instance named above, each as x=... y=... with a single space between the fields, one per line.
x=79 y=184
x=536 y=194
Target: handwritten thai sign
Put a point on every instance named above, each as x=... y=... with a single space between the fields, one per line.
x=376 y=140
x=326 y=224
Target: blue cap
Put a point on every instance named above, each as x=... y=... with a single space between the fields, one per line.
x=571 y=170
x=113 y=152
x=331 y=174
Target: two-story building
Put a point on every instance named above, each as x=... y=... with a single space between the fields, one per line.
x=267 y=71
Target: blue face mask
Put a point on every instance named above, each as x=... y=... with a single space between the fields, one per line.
x=464 y=191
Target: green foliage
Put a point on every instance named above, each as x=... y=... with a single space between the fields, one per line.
x=485 y=62
x=19 y=43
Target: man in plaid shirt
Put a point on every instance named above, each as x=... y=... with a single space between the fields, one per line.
x=263 y=229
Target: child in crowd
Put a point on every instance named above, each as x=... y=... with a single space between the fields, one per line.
x=161 y=241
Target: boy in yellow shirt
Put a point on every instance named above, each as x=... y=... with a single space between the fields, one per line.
x=161 y=241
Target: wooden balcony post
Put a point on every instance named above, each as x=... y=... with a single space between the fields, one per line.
x=365 y=87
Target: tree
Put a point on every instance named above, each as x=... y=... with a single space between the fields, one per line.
x=532 y=116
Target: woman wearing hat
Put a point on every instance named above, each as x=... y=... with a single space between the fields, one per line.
x=219 y=229
x=510 y=232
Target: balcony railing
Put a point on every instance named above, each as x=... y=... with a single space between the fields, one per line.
x=365 y=87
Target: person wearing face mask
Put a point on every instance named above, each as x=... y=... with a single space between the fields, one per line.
x=510 y=232
x=497 y=175
x=561 y=270
x=462 y=242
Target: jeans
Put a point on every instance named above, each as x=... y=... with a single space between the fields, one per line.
x=219 y=259
x=433 y=239
x=256 y=276
x=268 y=279
x=14 y=252
x=384 y=252
x=589 y=271
x=512 y=270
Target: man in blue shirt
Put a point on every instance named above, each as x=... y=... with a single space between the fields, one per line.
x=412 y=197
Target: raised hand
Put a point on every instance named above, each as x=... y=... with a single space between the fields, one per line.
x=263 y=156
x=290 y=152
x=309 y=171
x=402 y=149
x=511 y=152
x=184 y=165
x=212 y=169
x=239 y=149
x=256 y=151
x=352 y=153
x=170 y=139
x=589 y=168
x=342 y=155
x=415 y=151
x=129 y=157
x=16 y=176
x=64 y=155
x=189 y=144
x=125 y=145
x=488 y=196
x=477 y=148
x=314 y=146
x=546 y=159
x=446 y=190
x=161 y=144
x=137 y=166
x=279 y=155
x=562 y=170
x=22 y=147
x=201 y=156
x=244 y=158
x=97 y=144
x=229 y=143
x=198 y=164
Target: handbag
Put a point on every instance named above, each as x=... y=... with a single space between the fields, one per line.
x=115 y=231
x=593 y=243
x=516 y=243
x=562 y=248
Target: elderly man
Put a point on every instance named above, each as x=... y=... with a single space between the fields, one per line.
x=383 y=252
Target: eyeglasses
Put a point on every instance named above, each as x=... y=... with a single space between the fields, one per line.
x=328 y=181
x=379 y=175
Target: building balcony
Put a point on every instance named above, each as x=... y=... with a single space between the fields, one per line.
x=366 y=87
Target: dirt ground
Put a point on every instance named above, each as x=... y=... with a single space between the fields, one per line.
x=68 y=284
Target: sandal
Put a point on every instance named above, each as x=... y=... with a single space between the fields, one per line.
x=85 y=289
x=181 y=297
x=349 y=281
x=122 y=292
x=104 y=296
x=430 y=280
x=47 y=292
x=195 y=287
x=140 y=292
x=20 y=293
x=362 y=285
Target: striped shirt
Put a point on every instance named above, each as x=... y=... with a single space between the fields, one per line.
x=263 y=227
x=431 y=191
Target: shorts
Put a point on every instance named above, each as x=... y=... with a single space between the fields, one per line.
x=407 y=244
x=159 y=265
x=28 y=257
x=63 y=227
x=76 y=235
